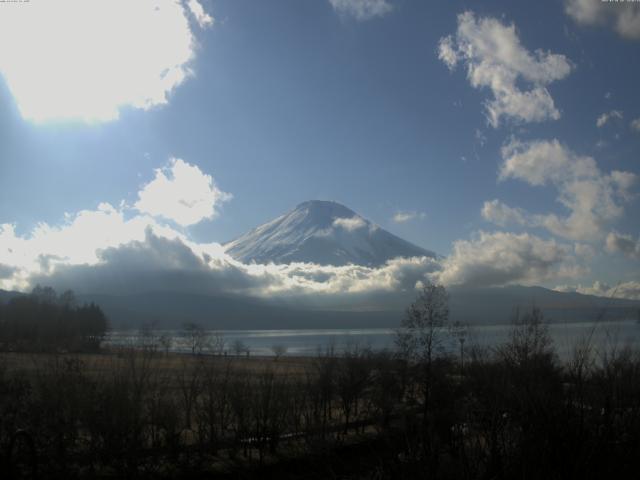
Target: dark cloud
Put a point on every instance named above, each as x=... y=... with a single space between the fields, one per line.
x=6 y=271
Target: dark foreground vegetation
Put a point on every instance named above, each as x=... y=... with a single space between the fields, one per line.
x=510 y=412
x=46 y=321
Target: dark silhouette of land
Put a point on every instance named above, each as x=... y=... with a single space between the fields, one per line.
x=417 y=412
x=45 y=321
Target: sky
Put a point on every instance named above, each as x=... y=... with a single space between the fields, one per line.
x=142 y=135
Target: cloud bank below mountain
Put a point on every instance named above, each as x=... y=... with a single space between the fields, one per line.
x=132 y=249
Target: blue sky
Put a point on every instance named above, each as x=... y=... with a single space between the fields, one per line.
x=353 y=101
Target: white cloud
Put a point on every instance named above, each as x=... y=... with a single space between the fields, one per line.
x=623 y=17
x=88 y=59
x=126 y=249
x=584 y=251
x=605 y=117
x=203 y=18
x=626 y=290
x=163 y=260
x=102 y=251
x=362 y=9
x=625 y=244
x=594 y=199
x=635 y=125
x=159 y=263
x=155 y=257
x=400 y=274
x=78 y=240
x=540 y=162
x=403 y=217
x=497 y=212
x=350 y=224
x=142 y=254
x=502 y=258
x=119 y=250
x=448 y=51
x=629 y=290
x=182 y=193
x=481 y=138
x=495 y=59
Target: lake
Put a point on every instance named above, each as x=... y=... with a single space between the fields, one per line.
x=309 y=342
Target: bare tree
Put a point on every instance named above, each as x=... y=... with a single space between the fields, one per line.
x=166 y=342
x=238 y=347
x=529 y=339
x=68 y=298
x=147 y=335
x=386 y=387
x=196 y=337
x=460 y=332
x=322 y=389
x=189 y=380
x=278 y=351
x=420 y=339
x=213 y=407
x=351 y=378
x=217 y=343
x=240 y=395
x=269 y=410
x=420 y=336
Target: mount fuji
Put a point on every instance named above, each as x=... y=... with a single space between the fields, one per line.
x=325 y=233
x=328 y=233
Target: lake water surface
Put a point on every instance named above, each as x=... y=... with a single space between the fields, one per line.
x=604 y=336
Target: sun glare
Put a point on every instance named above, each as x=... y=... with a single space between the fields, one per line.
x=87 y=59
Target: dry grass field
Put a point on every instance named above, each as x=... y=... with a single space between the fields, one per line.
x=114 y=359
x=142 y=413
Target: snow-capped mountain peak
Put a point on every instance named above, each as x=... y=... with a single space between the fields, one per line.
x=322 y=232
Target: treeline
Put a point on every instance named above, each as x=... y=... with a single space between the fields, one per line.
x=46 y=321
x=513 y=411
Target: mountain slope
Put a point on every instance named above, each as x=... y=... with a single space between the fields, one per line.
x=472 y=306
x=492 y=305
x=322 y=232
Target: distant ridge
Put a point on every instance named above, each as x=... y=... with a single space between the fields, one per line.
x=471 y=306
x=6 y=295
x=325 y=233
